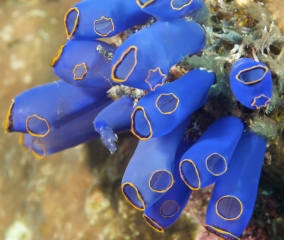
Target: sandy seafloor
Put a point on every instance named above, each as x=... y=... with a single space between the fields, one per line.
x=76 y=194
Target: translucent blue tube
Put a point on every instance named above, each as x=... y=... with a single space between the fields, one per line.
x=234 y=194
x=145 y=64
x=91 y=19
x=149 y=173
x=40 y=110
x=160 y=111
x=113 y=119
x=169 y=9
x=209 y=157
x=168 y=208
x=251 y=83
x=84 y=63
x=75 y=132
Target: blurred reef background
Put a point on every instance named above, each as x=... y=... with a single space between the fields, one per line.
x=76 y=194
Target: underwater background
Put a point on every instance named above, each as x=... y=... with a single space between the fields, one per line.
x=76 y=194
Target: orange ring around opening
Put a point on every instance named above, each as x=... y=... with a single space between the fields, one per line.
x=132 y=123
x=229 y=219
x=185 y=5
x=21 y=141
x=103 y=18
x=115 y=79
x=220 y=231
x=137 y=193
x=7 y=123
x=84 y=73
x=69 y=35
x=265 y=104
x=248 y=69
x=173 y=213
x=158 y=84
x=149 y=220
x=144 y=4
x=36 y=154
x=35 y=134
x=161 y=191
x=166 y=94
x=196 y=171
x=226 y=167
x=58 y=55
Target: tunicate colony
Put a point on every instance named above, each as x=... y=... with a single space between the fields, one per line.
x=167 y=164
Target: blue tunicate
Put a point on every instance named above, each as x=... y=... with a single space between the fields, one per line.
x=160 y=111
x=209 y=157
x=150 y=170
x=91 y=19
x=40 y=110
x=251 y=83
x=146 y=64
x=234 y=194
x=75 y=132
x=84 y=63
x=169 y=207
x=113 y=119
x=57 y=116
